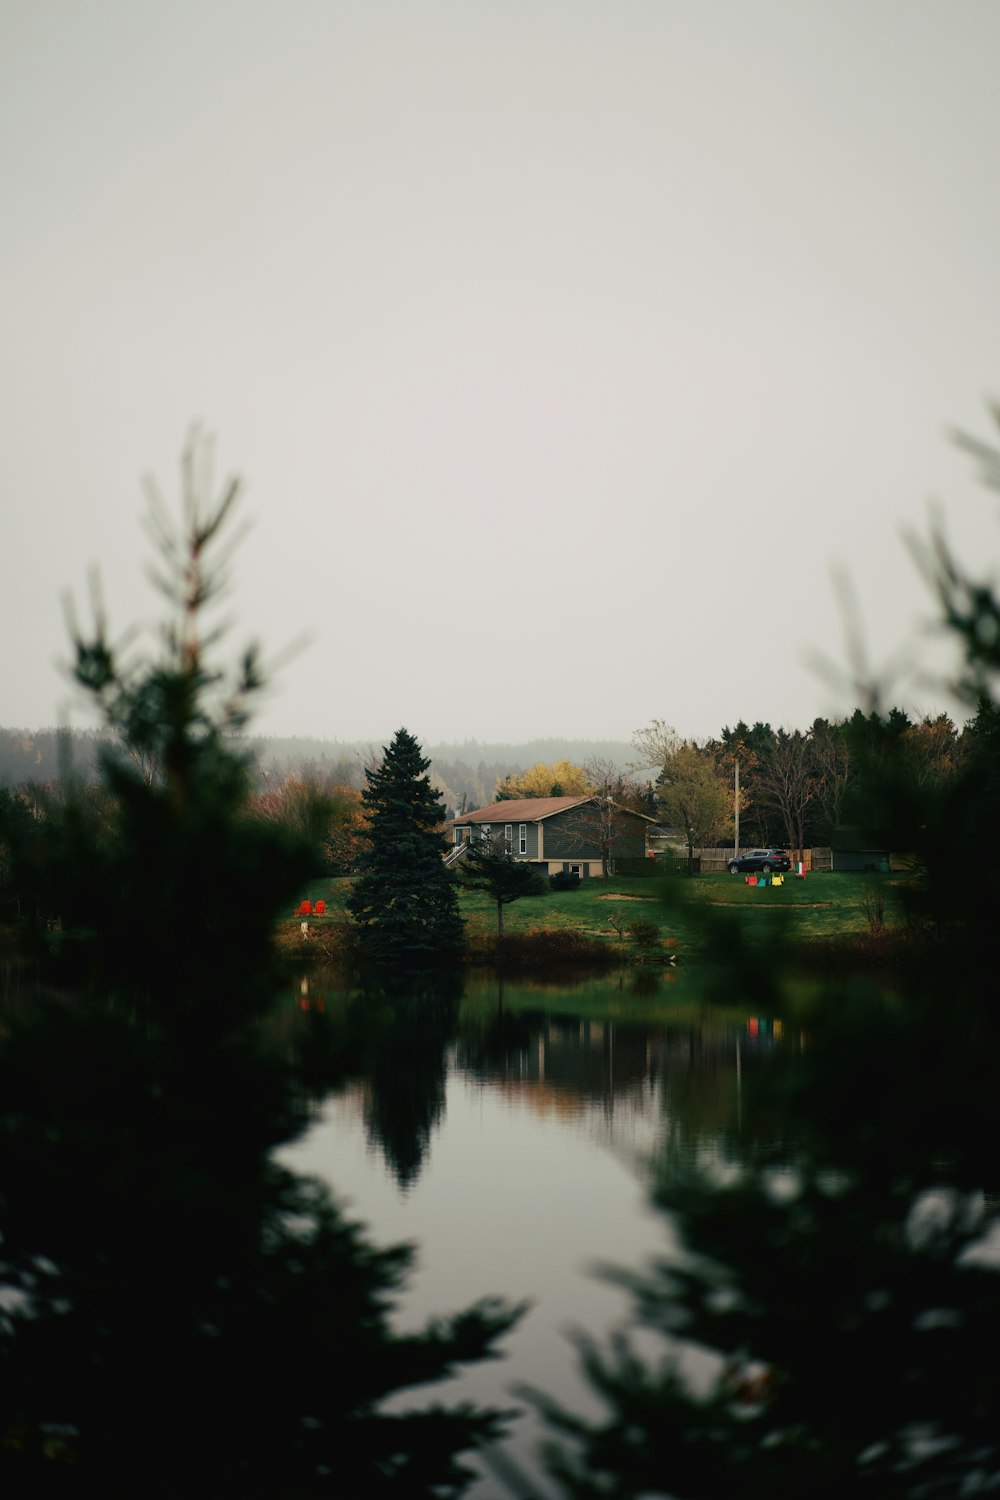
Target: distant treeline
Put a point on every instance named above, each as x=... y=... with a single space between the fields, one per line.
x=32 y=756
x=465 y=772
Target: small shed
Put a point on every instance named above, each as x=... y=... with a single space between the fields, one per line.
x=859 y=851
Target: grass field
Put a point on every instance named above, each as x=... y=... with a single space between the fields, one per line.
x=821 y=906
x=794 y=940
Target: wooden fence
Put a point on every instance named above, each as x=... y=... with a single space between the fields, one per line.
x=708 y=860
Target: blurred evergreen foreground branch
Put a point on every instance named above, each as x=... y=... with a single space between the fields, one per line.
x=182 y=1315
x=829 y=1326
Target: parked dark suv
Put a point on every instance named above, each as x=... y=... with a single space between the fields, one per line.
x=764 y=860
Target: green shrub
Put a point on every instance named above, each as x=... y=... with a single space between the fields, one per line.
x=644 y=934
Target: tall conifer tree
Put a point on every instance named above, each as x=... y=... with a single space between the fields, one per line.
x=404 y=898
x=183 y=1312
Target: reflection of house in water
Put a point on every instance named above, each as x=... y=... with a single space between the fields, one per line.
x=642 y=1083
x=579 y=1060
x=599 y=1062
x=593 y=1060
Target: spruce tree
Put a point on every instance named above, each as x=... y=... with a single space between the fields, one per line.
x=404 y=899
x=183 y=1312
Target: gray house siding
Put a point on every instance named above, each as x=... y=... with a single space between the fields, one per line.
x=498 y=832
x=555 y=837
x=575 y=835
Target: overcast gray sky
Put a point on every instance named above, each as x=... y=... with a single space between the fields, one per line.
x=564 y=347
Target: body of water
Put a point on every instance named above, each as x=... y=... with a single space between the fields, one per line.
x=806 y=1209
x=525 y=1165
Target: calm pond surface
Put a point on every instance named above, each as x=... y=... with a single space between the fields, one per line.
x=167 y=1298
x=514 y=1147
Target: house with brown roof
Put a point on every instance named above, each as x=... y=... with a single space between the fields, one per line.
x=579 y=835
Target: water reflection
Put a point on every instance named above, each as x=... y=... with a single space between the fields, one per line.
x=181 y=1312
x=840 y=1268
x=832 y=1185
x=528 y=1160
x=391 y=1050
x=405 y=1094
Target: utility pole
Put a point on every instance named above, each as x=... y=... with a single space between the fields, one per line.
x=736 y=806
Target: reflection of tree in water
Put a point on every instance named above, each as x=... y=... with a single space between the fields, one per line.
x=185 y=1316
x=408 y=1065
x=180 y=1316
x=708 y=1074
x=832 y=1272
x=840 y=1277
x=390 y=1037
x=498 y=1041
x=594 y=1061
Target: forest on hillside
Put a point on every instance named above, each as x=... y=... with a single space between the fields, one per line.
x=465 y=772
x=820 y=786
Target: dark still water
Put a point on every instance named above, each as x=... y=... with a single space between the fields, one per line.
x=805 y=1211
x=514 y=1147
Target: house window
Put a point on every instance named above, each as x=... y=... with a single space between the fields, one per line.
x=485 y=830
x=522 y=838
x=458 y=835
x=508 y=837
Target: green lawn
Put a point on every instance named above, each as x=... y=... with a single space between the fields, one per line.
x=820 y=906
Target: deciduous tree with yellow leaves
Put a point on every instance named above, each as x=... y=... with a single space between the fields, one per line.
x=563 y=779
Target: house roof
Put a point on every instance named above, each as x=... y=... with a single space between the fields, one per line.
x=523 y=810
x=532 y=810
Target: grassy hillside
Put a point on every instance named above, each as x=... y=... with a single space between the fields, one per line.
x=822 y=906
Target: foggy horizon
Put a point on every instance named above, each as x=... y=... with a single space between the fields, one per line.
x=568 y=354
